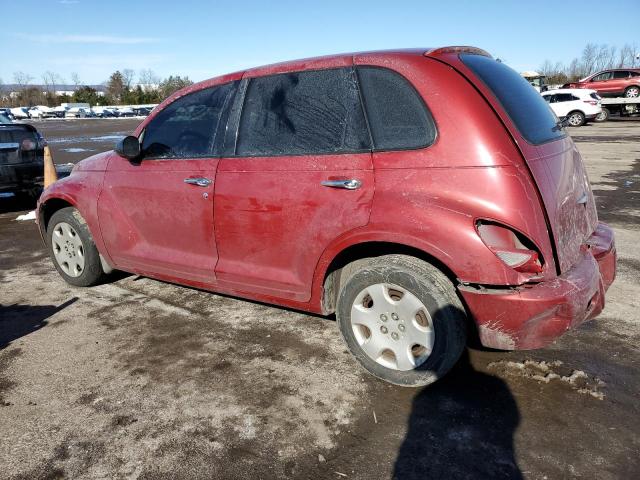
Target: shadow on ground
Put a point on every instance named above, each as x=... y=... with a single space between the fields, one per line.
x=461 y=427
x=16 y=321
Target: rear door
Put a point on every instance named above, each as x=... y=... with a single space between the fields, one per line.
x=619 y=82
x=550 y=154
x=299 y=177
x=156 y=215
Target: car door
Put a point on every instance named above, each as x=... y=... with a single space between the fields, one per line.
x=601 y=82
x=298 y=177
x=156 y=214
x=619 y=82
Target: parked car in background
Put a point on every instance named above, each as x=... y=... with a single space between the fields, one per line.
x=20 y=113
x=126 y=112
x=622 y=82
x=21 y=160
x=42 y=111
x=79 y=112
x=60 y=111
x=7 y=113
x=577 y=106
x=484 y=216
x=142 y=111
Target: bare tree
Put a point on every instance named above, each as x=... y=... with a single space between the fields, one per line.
x=75 y=79
x=148 y=79
x=22 y=79
x=127 y=78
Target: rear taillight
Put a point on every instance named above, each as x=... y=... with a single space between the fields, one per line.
x=513 y=248
x=591 y=102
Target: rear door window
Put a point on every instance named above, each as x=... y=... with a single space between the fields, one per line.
x=302 y=113
x=397 y=115
x=187 y=127
x=621 y=74
x=524 y=105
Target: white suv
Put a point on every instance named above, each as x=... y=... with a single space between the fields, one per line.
x=577 y=105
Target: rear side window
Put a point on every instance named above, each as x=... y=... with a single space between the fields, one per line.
x=621 y=74
x=310 y=112
x=397 y=116
x=187 y=127
x=529 y=112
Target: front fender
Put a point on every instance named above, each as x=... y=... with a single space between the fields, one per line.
x=81 y=191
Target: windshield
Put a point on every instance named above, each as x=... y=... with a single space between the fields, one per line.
x=525 y=106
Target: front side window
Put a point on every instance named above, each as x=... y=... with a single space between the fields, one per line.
x=312 y=112
x=601 y=77
x=187 y=127
x=397 y=116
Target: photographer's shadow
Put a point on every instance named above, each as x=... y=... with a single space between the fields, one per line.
x=461 y=427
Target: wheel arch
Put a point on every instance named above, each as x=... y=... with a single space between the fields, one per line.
x=48 y=207
x=339 y=265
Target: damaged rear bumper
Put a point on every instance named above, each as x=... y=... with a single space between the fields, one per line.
x=534 y=316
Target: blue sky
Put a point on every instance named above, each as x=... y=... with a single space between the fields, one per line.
x=203 y=39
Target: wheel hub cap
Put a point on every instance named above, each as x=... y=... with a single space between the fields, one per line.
x=68 y=249
x=392 y=326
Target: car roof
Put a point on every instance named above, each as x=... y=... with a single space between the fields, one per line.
x=570 y=90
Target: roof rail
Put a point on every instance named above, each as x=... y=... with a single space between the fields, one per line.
x=457 y=49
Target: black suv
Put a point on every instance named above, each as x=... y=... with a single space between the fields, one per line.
x=21 y=160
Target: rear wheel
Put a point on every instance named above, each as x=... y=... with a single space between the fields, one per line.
x=72 y=250
x=402 y=320
x=576 y=119
x=603 y=116
x=632 y=92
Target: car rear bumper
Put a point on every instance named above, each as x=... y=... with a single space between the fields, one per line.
x=21 y=177
x=533 y=317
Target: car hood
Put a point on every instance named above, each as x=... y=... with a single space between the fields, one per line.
x=95 y=163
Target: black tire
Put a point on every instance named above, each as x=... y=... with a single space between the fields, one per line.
x=632 y=92
x=92 y=272
x=579 y=117
x=437 y=294
x=602 y=116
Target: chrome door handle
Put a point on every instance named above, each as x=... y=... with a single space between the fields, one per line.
x=351 y=184
x=200 y=181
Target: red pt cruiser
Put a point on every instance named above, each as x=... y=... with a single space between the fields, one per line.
x=414 y=193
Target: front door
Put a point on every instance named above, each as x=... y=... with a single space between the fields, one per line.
x=156 y=214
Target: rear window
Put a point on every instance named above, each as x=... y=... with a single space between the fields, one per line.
x=525 y=106
x=17 y=146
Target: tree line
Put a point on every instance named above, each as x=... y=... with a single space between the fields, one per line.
x=119 y=89
x=593 y=59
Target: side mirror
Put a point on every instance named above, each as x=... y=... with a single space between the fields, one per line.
x=128 y=147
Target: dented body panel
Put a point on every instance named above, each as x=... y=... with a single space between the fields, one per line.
x=266 y=229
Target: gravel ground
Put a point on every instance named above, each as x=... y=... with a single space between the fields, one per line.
x=139 y=378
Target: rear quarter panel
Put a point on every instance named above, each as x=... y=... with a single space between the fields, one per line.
x=473 y=170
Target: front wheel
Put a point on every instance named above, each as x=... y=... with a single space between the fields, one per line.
x=402 y=320
x=72 y=250
x=632 y=92
x=603 y=116
x=576 y=119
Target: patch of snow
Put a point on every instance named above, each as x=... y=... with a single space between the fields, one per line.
x=27 y=216
x=77 y=150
